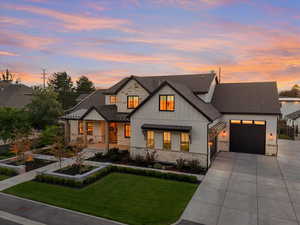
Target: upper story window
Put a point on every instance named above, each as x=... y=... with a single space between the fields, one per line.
x=167 y=140
x=167 y=103
x=112 y=99
x=80 y=127
x=132 y=101
x=127 y=130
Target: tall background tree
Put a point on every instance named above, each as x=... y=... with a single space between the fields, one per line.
x=293 y=92
x=44 y=108
x=62 y=84
x=84 y=86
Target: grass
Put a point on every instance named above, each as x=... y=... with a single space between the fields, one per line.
x=3 y=177
x=127 y=198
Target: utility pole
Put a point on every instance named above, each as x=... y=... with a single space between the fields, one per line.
x=44 y=77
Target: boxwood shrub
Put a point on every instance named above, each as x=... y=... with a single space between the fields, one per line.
x=105 y=171
x=8 y=172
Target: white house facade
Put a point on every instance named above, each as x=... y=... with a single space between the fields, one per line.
x=179 y=116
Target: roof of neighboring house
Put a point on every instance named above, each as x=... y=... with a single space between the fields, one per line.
x=197 y=83
x=294 y=115
x=247 y=98
x=14 y=95
x=207 y=109
x=289 y=99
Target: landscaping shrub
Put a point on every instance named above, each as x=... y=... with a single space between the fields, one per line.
x=105 y=171
x=157 y=166
x=48 y=135
x=8 y=172
x=180 y=164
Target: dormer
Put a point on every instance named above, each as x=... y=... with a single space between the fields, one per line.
x=207 y=97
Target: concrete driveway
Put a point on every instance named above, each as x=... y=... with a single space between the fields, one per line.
x=245 y=189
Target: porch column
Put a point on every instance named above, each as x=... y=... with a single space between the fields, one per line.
x=67 y=131
x=106 y=141
x=84 y=132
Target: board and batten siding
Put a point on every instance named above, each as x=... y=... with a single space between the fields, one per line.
x=184 y=115
x=131 y=88
x=271 y=127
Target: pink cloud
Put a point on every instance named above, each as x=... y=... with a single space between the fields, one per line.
x=5 y=53
x=75 y=22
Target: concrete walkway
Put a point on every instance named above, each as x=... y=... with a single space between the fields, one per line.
x=7 y=183
x=245 y=189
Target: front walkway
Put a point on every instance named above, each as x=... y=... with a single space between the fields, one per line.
x=245 y=189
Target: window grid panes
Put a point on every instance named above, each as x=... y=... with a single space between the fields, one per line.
x=80 y=127
x=89 y=128
x=113 y=99
x=167 y=103
x=150 y=139
x=127 y=130
x=184 y=142
x=132 y=102
x=167 y=140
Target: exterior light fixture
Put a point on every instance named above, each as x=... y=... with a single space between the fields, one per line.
x=271 y=136
x=210 y=143
x=224 y=133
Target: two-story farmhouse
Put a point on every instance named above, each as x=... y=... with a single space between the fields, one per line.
x=179 y=116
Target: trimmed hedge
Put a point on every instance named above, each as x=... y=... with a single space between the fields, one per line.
x=8 y=172
x=105 y=171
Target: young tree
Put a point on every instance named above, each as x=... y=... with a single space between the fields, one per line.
x=84 y=86
x=44 y=108
x=20 y=146
x=77 y=147
x=62 y=84
x=13 y=121
x=58 y=149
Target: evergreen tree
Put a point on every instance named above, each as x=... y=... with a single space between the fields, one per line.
x=84 y=86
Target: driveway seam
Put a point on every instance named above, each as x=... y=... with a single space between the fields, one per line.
x=226 y=192
x=287 y=190
x=257 y=203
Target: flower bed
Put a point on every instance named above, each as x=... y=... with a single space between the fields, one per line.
x=75 y=170
x=123 y=157
x=95 y=174
x=19 y=166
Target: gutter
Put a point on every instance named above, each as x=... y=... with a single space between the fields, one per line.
x=207 y=141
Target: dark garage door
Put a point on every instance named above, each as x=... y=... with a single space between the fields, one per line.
x=247 y=136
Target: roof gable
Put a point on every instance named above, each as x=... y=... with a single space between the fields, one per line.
x=204 y=108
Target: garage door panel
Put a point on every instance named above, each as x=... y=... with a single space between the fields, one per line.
x=247 y=138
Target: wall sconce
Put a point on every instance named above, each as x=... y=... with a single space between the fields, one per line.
x=210 y=143
x=224 y=133
x=271 y=136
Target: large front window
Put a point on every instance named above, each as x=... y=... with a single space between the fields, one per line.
x=132 y=101
x=184 y=142
x=166 y=102
x=89 y=128
x=80 y=127
x=167 y=140
x=150 y=139
x=127 y=130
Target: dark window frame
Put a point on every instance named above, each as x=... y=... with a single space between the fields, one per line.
x=134 y=96
x=159 y=102
x=125 y=134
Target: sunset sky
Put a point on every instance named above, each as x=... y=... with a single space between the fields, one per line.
x=252 y=40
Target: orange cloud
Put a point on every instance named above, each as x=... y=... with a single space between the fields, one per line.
x=5 y=53
x=73 y=21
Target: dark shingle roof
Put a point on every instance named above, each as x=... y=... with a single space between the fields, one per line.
x=197 y=83
x=247 y=98
x=94 y=99
x=294 y=115
x=207 y=109
x=14 y=95
x=81 y=97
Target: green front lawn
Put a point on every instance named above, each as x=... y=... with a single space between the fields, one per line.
x=127 y=198
x=3 y=177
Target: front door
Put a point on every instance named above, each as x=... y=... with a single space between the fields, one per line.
x=113 y=133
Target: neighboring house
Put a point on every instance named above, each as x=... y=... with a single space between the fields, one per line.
x=293 y=119
x=289 y=105
x=179 y=116
x=14 y=95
